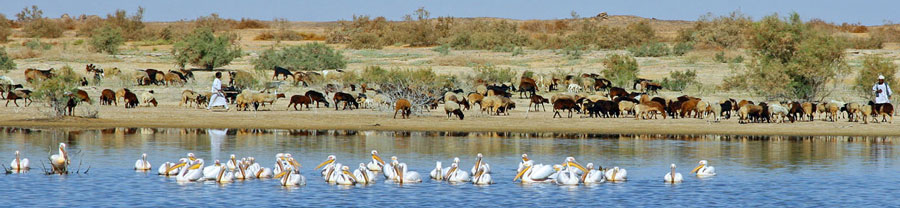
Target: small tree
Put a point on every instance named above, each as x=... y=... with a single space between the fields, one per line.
x=5 y=30
x=310 y=56
x=56 y=91
x=872 y=66
x=620 y=69
x=43 y=28
x=203 y=48
x=6 y=63
x=416 y=85
x=107 y=39
x=678 y=80
x=30 y=14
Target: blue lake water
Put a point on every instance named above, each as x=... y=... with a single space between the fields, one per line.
x=771 y=171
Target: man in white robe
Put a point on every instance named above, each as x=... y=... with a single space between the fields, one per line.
x=218 y=96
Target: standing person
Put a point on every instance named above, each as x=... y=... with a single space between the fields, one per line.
x=882 y=93
x=218 y=96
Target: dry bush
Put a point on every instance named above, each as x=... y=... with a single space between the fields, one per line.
x=247 y=23
x=865 y=42
x=131 y=26
x=887 y=33
x=43 y=28
x=464 y=60
x=854 y=28
x=718 y=32
x=5 y=29
x=215 y=23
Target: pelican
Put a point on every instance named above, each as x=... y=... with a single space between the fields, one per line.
x=377 y=164
x=570 y=161
x=263 y=173
x=141 y=164
x=531 y=173
x=291 y=178
x=557 y=168
x=479 y=159
x=60 y=162
x=251 y=161
x=438 y=172
x=592 y=176
x=673 y=177
x=191 y=173
x=223 y=177
x=345 y=177
x=456 y=175
x=19 y=164
x=703 y=170
x=212 y=172
x=167 y=169
x=190 y=156
x=329 y=164
x=332 y=173
x=232 y=163
x=242 y=173
x=483 y=175
x=567 y=176
x=406 y=176
x=363 y=175
x=389 y=174
x=615 y=174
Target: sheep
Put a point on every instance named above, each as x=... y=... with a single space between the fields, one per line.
x=865 y=111
x=403 y=106
x=688 y=106
x=172 y=78
x=506 y=104
x=243 y=100
x=538 y=100
x=780 y=111
x=749 y=112
x=716 y=110
x=203 y=99
x=564 y=104
x=451 y=108
x=831 y=110
x=626 y=107
x=148 y=98
x=451 y=96
x=188 y=97
x=108 y=97
x=702 y=109
x=481 y=89
x=574 y=88
x=381 y=100
x=301 y=100
x=265 y=98
x=808 y=109
x=646 y=110
x=852 y=110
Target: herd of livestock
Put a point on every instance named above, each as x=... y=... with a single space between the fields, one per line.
x=586 y=94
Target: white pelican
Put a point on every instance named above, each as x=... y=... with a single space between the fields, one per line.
x=438 y=172
x=615 y=174
x=141 y=164
x=332 y=173
x=704 y=170
x=242 y=173
x=223 y=177
x=190 y=156
x=673 y=177
x=479 y=159
x=328 y=164
x=212 y=172
x=191 y=173
x=19 y=164
x=263 y=173
x=406 y=176
x=251 y=161
x=60 y=162
x=592 y=176
x=567 y=176
x=483 y=175
x=557 y=168
x=389 y=174
x=167 y=169
x=291 y=178
x=377 y=164
x=363 y=175
x=531 y=173
x=570 y=161
x=345 y=177
x=455 y=175
x=232 y=163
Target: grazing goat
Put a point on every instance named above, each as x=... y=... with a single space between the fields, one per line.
x=121 y=93
x=403 y=106
x=36 y=74
x=25 y=95
x=317 y=97
x=452 y=108
x=348 y=100
x=780 y=111
x=852 y=110
x=647 y=110
x=616 y=92
x=564 y=104
x=148 y=98
x=108 y=97
x=884 y=110
x=626 y=107
x=189 y=97
x=865 y=111
x=475 y=98
x=283 y=72
x=808 y=109
x=638 y=81
x=647 y=86
x=264 y=98
x=74 y=99
x=300 y=100
x=131 y=99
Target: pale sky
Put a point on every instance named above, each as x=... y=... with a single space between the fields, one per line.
x=868 y=12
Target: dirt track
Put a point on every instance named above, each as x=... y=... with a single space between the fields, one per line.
x=172 y=116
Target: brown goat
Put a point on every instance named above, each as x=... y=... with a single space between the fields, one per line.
x=300 y=100
x=108 y=97
x=35 y=74
x=19 y=94
x=564 y=104
x=647 y=109
x=404 y=107
x=538 y=100
x=131 y=100
x=884 y=110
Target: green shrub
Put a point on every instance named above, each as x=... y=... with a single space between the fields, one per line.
x=865 y=43
x=720 y=57
x=365 y=40
x=443 y=49
x=499 y=36
x=107 y=40
x=78 y=42
x=43 y=28
x=718 y=32
x=681 y=48
x=6 y=63
x=36 y=44
x=738 y=59
x=205 y=49
x=214 y=23
x=679 y=80
x=620 y=69
x=656 y=49
x=518 y=51
x=493 y=74
x=872 y=66
x=573 y=52
x=55 y=91
x=310 y=56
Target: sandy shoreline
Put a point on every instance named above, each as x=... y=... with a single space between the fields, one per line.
x=328 y=119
